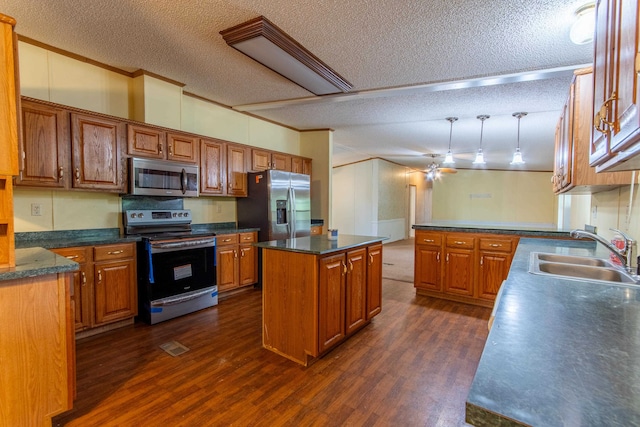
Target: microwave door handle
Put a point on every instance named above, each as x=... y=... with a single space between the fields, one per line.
x=183 y=181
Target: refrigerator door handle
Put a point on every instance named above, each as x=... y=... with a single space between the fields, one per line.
x=289 y=212
x=294 y=213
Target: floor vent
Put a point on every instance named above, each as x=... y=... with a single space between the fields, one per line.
x=174 y=348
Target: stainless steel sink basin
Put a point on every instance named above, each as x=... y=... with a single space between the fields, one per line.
x=572 y=259
x=579 y=268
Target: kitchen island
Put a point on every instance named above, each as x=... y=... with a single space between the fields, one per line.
x=317 y=292
x=560 y=352
x=37 y=343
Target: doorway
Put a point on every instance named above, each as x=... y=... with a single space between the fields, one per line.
x=412 y=210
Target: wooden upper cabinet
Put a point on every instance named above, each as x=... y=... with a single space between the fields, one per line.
x=182 y=147
x=260 y=160
x=281 y=162
x=212 y=167
x=297 y=164
x=45 y=146
x=8 y=98
x=146 y=142
x=306 y=166
x=236 y=170
x=96 y=159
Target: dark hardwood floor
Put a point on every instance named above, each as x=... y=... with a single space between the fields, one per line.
x=412 y=366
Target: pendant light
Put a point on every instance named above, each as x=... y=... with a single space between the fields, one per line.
x=517 y=156
x=480 y=155
x=448 y=158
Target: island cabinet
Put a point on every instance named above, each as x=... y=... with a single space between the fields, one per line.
x=313 y=299
x=465 y=267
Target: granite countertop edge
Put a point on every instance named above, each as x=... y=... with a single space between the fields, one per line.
x=34 y=262
x=549 y=355
x=320 y=244
x=522 y=231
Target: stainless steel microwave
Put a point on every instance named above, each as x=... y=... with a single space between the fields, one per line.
x=162 y=178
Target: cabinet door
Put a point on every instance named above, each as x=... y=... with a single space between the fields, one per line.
x=9 y=99
x=374 y=280
x=306 y=166
x=356 y=290
x=331 y=301
x=459 y=271
x=82 y=280
x=281 y=162
x=236 y=170
x=297 y=164
x=45 y=142
x=625 y=76
x=260 y=160
x=494 y=268
x=182 y=148
x=563 y=159
x=115 y=291
x=97 y=159
x=146 y=142
x=227 y=268
x=428 y=270
x=212 y=169
x=248 y=267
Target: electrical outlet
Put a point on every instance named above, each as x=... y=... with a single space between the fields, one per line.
x=36 y=209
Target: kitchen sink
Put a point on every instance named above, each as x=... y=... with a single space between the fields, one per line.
x=579 y=268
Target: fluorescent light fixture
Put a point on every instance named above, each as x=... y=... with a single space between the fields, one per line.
x=264 y=42
x=582 y=30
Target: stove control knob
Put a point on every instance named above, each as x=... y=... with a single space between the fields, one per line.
x=186 y=214
x=133 y=215
x=140 y=215
x=180 y=214
x=175 y=214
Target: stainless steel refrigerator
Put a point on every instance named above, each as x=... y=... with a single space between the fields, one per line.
x=279 y=203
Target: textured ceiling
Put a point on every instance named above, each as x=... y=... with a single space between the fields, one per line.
x=386 y=44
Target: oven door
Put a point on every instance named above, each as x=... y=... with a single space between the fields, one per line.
x=180 y=266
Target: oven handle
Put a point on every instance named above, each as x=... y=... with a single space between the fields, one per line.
x=182 y=244
x=181 y=298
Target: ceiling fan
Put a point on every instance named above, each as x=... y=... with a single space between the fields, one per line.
x=433 y=169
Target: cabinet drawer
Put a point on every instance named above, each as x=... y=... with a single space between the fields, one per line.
x=316 y=230
x=461 y=241
x=118 y=251
x=247 y=237
x=424 y=238
x=78 y=255
x=498 y=245
x=227 y=239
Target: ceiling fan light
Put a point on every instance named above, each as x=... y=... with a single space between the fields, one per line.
x=583 y=28
x=517 y=158
x=448 y=159
x=479 y=158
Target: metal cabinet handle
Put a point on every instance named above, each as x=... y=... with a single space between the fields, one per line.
x=248 y=238
x=171 y=149
x=235 y=254
x=160 y=148
x=77 y=175
x=242 y=253
x=344 y=268
x=371 y=259
x=496 y=245
x=115 y=252
x=438 y=257
x=350 y=266
x=458 y=242
x=226 y=240
x=600 y=119
x=84 y=278
x=481 y=260
x=60 y=172
x=99 y=275
x=72 y=256
x=429 y=240
x=447 y=258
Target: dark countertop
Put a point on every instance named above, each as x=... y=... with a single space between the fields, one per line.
x=34 y=262
x=560 y=352
x=320 y=244
x=523 y=231
x=107 y=236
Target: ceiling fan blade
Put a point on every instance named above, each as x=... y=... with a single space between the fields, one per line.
x=447 y=170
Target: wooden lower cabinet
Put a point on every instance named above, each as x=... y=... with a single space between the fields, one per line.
x=37 y=351
x=465 y=267
x=105 y=287
x=311 y=302
x=316 y=230
x=237 y=260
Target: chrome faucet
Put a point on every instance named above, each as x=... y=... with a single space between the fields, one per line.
x=624 y=254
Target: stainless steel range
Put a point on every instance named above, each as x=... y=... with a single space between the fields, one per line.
x=176 y=268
